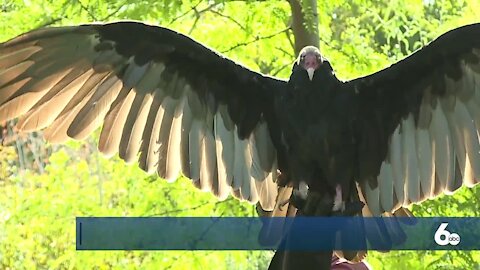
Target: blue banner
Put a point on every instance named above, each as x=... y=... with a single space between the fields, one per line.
x=299 y=234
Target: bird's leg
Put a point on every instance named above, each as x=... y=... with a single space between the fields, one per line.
x=338 y=203
x=299 y=195
x=345 y=207
x=303 y=190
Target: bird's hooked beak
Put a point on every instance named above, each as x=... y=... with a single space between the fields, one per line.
x=310 y=63
x=310 y=59
x=310 y=72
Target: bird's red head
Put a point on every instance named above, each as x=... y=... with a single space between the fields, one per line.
x=310 y=59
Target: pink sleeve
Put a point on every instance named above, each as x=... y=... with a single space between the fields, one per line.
x=340 y=264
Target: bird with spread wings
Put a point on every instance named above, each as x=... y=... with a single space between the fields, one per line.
x=402 y=135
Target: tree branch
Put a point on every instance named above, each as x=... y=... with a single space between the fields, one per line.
x=48 y=23
x=115 y=11
x=185 y=13
x=87 y=10
x=255 y=40
x=229 y=18
x=198 y=14
x=189 y=208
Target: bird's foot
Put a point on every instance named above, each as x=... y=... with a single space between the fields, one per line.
x=342 y=208
x=338 y=206
x=313 y=203
x=283 y=180
x=299 y=195
x=338 y=203
x=350 y=209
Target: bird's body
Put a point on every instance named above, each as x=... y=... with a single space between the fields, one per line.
x=321 y=148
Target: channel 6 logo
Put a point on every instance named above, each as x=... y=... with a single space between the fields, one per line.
x=444 y=237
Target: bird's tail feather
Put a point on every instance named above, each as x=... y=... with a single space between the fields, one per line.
x=383 y=232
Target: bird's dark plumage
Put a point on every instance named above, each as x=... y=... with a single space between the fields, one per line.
x=399 y=136
x=183 y=107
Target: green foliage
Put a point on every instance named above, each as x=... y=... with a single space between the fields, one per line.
x=38 y=210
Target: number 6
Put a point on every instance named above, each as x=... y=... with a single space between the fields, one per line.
x=442 y=232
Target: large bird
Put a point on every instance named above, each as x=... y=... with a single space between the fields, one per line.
x=399 y=136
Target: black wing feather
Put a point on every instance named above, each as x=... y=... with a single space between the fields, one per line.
x=435 y=91
x=135 y=72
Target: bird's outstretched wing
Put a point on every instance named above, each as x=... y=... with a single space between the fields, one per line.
x=419 y=123
x=161 y=97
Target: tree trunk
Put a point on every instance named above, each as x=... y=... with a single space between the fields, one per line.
x=304 y=23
